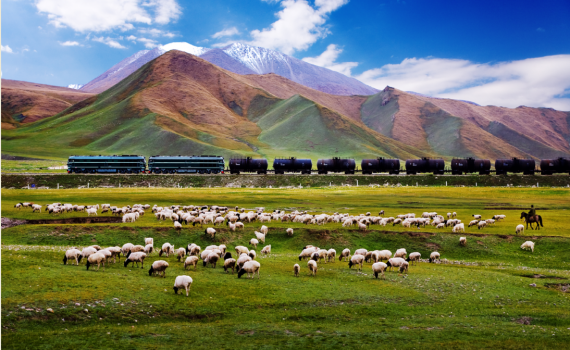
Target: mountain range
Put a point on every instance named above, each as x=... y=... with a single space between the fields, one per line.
x=180 y=103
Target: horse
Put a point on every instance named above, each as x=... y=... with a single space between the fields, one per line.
x=531 y=220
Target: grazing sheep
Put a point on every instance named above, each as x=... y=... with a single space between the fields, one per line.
x=345 y=254
x=379 y=267
x=167 y=249
x=177 y=226
x=73 y=253
x=312 y=267
x=362 y=227
x=499 y=217
x=135 y=258
x=264 y=229
x=243 y=258
x=254 y=242
x=400 y=253
x=442 y=225
x=157 y=268
x=180 y=253
x=356 y=260
x=210 y=232
x=240 y=225
x=395 y=262
x=434 y=256
x=414 y=257
x=306 y=253
x=241 y=250
x=182 y=282
x=18 y=206
x=296 y=269
x=481 y=224
x=88 y=251
x=463 y=241
x=191 y=261
x=404 y=267
x=260 y=236
x=252 y=254
x=107 y=254
x=454 y=215
x=148 y=249
x=360 y=251
x=384 y=255
x=126 y=248
x=266 y=250
x=331 y=255
x=250 y=267
x=36 y=207
x=458 y=228
x=148 y=241
x=137 y=248
x=289 y=232
x=96 y=258
x=528 y=245
x=520 y=229
x=211 y=259
x=473 y=223
x=232 y=226
x=475 y=216
x=89 y=212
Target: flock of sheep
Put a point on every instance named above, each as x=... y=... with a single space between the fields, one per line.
x=245 y=262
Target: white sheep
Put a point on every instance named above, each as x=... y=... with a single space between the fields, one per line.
x=241 y=250
x=157 y=268
x=296 y=269
x=243 y=258
x=191 y=261
x=476 y=216
x=229 y=263
x=481 y=224
x=264 y=229
x=252 y=254
x=395 y=262
x=96 y=258
x=182 y=282
x=528 y=245
x=312 y=267
x=88 y=251
x=148 y=249
x=266 y=250
x=180 y=253
x=473 y=223
x=463 y=241
x=232 y=226
x=442 y=225
x=126 y=248
x=289 y=232
x=254 y=242
x=73 y=253
x=345 y=254
x=434 y=256
x=360 y=251
x=306 y=253
x=260 y=236
x=458 y=228
x=148 y=240
x=89 y=212
x=210 y=232
x=520 y=229
x=211 y=259
x=414 y=257
x=384 y=255
x=379 y=267
x=331 y=255
x=400 y=253
x=250 y=267
x=167 y=249
x=356 y=259
x=240 y=225
x=135 y=258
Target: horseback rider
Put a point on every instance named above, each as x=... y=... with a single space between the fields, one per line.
x=532 y=213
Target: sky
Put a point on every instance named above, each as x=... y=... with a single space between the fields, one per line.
x=504 y=53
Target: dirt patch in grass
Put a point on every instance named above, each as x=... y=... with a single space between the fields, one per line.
x=544 y=276
x=480 y=243
x=433 y=246
x=7 y=222
x=87 y=220
x=524 y=320
x=245 y=332
x=563 y=287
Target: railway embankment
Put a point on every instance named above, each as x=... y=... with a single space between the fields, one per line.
x=62 y=181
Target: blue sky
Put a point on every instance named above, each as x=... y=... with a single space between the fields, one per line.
x=492 y=52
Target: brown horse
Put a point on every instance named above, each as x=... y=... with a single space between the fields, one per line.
x=532 y=219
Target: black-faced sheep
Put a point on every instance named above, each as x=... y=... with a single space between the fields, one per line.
x=344 y=254
x=379 y=268
x=414 y=257
x=434 y=256
x=96 y=258
x=157 y=268
x=135 y=258
x=182 y=282
x=312 y=267
x=250 y=267
x=191 y=261
x=73 y=254
x=356 y=260
x=395 y=262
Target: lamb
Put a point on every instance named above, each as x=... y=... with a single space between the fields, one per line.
x=312 y=267
x=89 y=212
x=362 y=227
x=434 y=256
x=414 y=257
x=289 y=232
x=379 y=267
x=448 y=216
x=481 y=224
x=442 y=225
x=296 y=270
x=345 y=254
x=167 y=249
x=36 y=207
x=242 y=260
x=252 y=254
x=73 y=253
x=135 y=258
x=356 y=260
x=157 y=268
x=191 y=261
x=182 y=282
x=264 y=229
x=331 y=255
x=177 y=226
x=260 y=236
x=458 y=228
x=384 y=255
x=250 y=267
x=266 y=250
x=180 y=253
x=400 y=253
x=148 y=240
x=395 y=262
x=254 y=242
x=211 y=259
x=96 y=258
x=137 y=248
x=528 y=245
x=520 y=229
x=210 y=232
x=219 y=221
x=463 y=241
x=148 y=249
x=475 y=216
x=229 y=263
x=241 y=250
x=193 y=249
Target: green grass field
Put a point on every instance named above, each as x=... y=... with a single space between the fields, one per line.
x=480 y=299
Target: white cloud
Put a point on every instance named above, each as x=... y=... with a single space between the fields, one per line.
x=157 y=32
x=69 y=43
x=298 y=26
x=109 y=42
x=103 y=15
x=328 y=60
x=534 y=82
x=7 y=49
x=226 y=32
x=148 y=43
x=131 y=38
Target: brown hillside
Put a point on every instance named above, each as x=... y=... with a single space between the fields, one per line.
x=24 y=102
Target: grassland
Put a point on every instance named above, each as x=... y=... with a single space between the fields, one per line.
x=480 y=299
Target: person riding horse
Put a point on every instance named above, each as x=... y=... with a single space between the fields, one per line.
x=532 y=213
x=531 y=217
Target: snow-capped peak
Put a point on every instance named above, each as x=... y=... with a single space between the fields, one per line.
x=185 y=47
x=75 y=86
x=258 y=59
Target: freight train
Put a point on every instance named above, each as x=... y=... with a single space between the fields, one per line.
x=132 y=164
